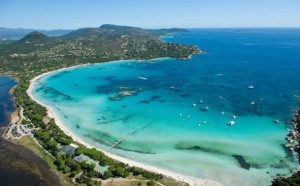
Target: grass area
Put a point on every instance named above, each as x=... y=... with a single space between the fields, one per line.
x=29 y=143
x=170 y=182
x=164 y=181
x=125 y=182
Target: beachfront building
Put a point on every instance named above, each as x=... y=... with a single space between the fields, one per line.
x=100 y=167
x=69 y=149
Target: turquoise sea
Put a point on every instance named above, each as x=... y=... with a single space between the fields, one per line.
x=166 y=129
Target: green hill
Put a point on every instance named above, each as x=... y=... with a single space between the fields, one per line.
x=86 y=45
x=165 y=31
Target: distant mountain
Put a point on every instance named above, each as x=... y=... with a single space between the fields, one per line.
x=35 y=37
x=18 y=33
x=117 y=27
x=34 y=41
x=165 y=31
x=108 y=32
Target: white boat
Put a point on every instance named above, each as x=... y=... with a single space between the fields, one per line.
x=203 y=122
x=188 y=116
x=252 y=103
x=251 y=86
x=180 y=114
x=194 y=105
x=143 y=78
x=231 y=122
x=171 y=87
x=222 y=113
x=206 y=108
x=233 y=116
x=199 y=125
x=201 y=101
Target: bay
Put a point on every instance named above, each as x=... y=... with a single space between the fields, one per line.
x=177 y=111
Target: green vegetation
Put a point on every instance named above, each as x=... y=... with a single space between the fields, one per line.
x=294 y=180
x=37 y=53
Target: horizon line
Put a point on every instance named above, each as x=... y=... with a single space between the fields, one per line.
x=155 y=27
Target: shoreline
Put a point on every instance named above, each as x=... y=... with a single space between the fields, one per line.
x=170 y=174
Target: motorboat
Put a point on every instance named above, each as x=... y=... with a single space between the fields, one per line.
x=231 y=122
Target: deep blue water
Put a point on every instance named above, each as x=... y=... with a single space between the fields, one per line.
x=272 y=57
x=199 y=142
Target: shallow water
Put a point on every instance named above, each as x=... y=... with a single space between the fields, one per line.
x=199 y=142
x=6 y=103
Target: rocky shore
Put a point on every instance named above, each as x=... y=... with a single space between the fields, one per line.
x=294 y=136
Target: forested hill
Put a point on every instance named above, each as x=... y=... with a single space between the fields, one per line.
x=37 y=52
x=108 y=32
x=165 y=31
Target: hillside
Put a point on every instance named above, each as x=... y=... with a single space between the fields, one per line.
x=37 y=51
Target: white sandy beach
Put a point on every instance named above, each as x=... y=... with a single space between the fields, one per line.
x=174 y=175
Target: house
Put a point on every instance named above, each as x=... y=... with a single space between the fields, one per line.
x=70 y=149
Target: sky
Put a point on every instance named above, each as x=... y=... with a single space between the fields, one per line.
x=73 y=14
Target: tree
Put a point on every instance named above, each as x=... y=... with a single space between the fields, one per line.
x=61 y=166
x=106 y=160
x=138 y=171
x=107 y=174
x=119 y=171
x=52 y=144
x=67 y=141
x=59 y=160
x=38 y=117
x=52 y=147
x=83 y=164
x=126 y=174
x=45 y=136
x=92 y=166
x=73 y=173
x=111 y=168
x=66 y=169
x=80 y=150
x=151 y=183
